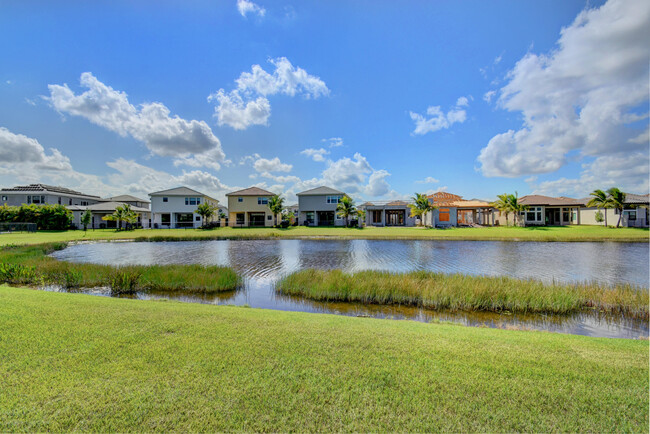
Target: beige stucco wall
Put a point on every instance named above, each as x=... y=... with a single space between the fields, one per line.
x=247 y=205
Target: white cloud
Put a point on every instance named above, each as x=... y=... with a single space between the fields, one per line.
x=246 y=7
x=20 y=154
x=428 y=180
x=248 y=105
x=377 y=184
x=151 y=124
x=333 y=142
x=580 y=101
x=438 y=119
x=487 y=97
x=315 y=154
x=262 y=165
x=211 y=159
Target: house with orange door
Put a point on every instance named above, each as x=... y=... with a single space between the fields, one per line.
x=453 y=210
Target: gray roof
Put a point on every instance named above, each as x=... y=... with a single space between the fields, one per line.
x=251 y=191
x=127 y=198
x=105 y=207
x=181 y=191
x=318 y=191
x=49 y=189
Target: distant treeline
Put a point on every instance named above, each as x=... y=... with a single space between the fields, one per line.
x=47 y=217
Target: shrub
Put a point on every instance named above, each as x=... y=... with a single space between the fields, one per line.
x=18 y=273
x=46 y=217
x=124 y=281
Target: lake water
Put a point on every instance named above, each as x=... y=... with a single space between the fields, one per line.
x=263 y=262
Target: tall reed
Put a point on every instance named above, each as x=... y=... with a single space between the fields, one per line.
x=463 y=292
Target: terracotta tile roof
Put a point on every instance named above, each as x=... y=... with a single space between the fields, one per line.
x=251 y=191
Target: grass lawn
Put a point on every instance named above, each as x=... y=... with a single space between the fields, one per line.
x=78 y=362
x=555 y=233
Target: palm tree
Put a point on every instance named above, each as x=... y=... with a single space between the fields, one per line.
x=599 y=199
x=126 y=214
x=503 y=205
x=205 y=210
x=617 y=201
x=421 y=206
x=276 y=205
x=515 y=206
x=346 y=208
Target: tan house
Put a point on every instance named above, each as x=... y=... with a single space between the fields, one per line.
x=635 y=213
x=249 y=207
x=453 y=210
x=551 y=211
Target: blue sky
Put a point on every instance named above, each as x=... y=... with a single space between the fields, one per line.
x=379 y=99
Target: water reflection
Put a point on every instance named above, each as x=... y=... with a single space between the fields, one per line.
x=263 y=262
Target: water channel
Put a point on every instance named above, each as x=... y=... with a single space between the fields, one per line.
x=263 y=262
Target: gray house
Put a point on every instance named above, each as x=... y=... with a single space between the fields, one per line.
x=317 y=207
x=40 y=194
x=388 y=213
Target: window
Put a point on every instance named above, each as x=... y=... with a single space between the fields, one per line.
x=165 y=199
x=530 y=216
x=38 y=199
x=165 y=219
x=70 y=201
x=309 y=217
x=59 y=200
x=262 y=200
x=333 y=199
x=631 y=215
x=443 y=214
x=240 y=199
x=4 y=198
x=84 y=203
x=192 y=201
x=240 y=218
x=198 y=219
x=376 y=216
x=269 y=217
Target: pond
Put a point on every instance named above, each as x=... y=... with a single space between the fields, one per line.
x=263 y=262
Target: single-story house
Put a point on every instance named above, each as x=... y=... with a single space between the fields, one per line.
x=388 y=213
x=452 y=210
x=546 y=210
x=250 y=207
x=317 y=207
x=176 y=208
x=635 y=213
x=102 y=209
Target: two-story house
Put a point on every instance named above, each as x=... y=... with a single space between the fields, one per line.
x=41 y=194
x=317 y=207
x=176 y=208
x=250 y=207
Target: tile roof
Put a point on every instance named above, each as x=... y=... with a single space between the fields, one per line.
x=127 y=198
x=319 y=191
x=178 y=191
x=106 y=206
x=536 y=199
x=251 y=191
x=49 y=188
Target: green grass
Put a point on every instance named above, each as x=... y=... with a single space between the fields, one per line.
x=77 y=362
x=564 y=233
x=463 y=292
x=30 y=265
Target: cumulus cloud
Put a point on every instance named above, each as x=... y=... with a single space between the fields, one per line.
x=18 y=152
x=246 y=7
x=273 y=165
x=584 y=100
x=248 y=105
x=438 y=119
x=487 y=97
x=315 y=154
x=149 y=123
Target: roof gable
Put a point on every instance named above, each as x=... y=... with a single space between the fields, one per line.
x=251 y=191
x=178 y=191
x=322 y=190
x=127 y=198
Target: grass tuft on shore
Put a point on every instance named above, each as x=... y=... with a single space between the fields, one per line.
x=30 y=265
x=440 y=291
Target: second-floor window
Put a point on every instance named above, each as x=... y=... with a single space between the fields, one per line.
x=4 y=198
x=240 y=199
x=36 y=199
x=165 y=199
x=262 y=200
x=333 y=199
x=192 y=201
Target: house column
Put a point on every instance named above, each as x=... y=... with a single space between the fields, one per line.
x=315 y=218
x=383 y=217
x=561 y=216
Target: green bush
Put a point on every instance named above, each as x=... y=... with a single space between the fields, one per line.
x=46 y=217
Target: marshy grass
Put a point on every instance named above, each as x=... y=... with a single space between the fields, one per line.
x=31 y=265
x=438 y=291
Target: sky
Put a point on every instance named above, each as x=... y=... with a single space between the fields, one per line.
x=379 y=99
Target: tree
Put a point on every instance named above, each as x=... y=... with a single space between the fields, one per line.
x=515 y=206
x=205 y=210
x=617 y=201
x=129 y=216
x=86 y=218
x=599 y=199
x=503 y=205
x=276 y=205
x=361 y=214
x=346 y=208
x=421 y=206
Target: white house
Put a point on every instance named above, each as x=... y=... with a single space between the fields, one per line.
x=176 y=208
